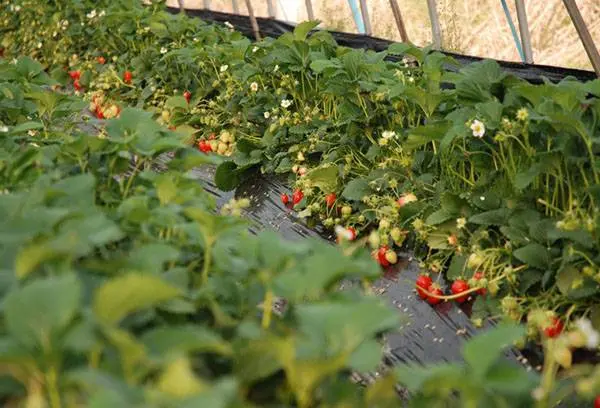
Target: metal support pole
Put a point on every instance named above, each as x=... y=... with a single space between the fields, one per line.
x=524 y=30
x=365 y=15
x=360 y=26
x=253 y=20
x=584 y=34
x=271 y=8
x=309 y=10
x=436 y=30
x=207 y=4
x=399 y=21
x=234 y=5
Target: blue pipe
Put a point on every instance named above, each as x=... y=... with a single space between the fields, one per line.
x=360 y=24
x=513 y=30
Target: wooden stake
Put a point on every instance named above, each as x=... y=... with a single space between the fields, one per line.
x=365 y=15
x=234 y=5
x=436 y=30
x=181 y=6
x=584 y=34
x=524 y=30
x=271 y=8
x=207 y=4
x=399 y=21
x=253 y=20
x=309 y=10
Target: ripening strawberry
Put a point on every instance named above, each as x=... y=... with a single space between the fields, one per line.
x=77 y=85
x=297 y=196
x=99 y=113
x=204 y=146
x=188 y=96
x=553 y=328
x=101 y=60
x=381 y=258
x=330 y=199
x=405 y=199
x=477 y=276
x=285 y=199
x=127 y=77
x=75 y=75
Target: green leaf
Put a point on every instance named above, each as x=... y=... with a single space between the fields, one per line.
x=130 y=293
x=534 y=255
x=508 y=378
x=301 y=31
x=227 y=176
x=483 y=351
x=177 y=101
x=356 y=189
x=321 y=65
x=457 y=267
x=415 y=377
x=24 y=127
x=493 y=217
x=439 y=217
x=324 y=178
x=162 y=341
x=366 y=357
x=41 y=309
x=179 y=380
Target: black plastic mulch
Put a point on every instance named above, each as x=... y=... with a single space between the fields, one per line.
x=428 y=334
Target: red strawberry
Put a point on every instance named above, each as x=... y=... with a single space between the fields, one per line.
x=423 y=284
x=459 y=286
x=127 y=77
x=188 y=96
x=297 y=196
x=597 y=402
x=436 y=291
x=101 y=60
x=99 y=113
x=285 y=199
x=330 y=199
x=554 y=328
x=75 y=75
x=204 y=146
x=77 y=85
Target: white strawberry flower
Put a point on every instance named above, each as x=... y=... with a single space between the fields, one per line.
x=163 y=50
x=3 y=129
x=591 y=335
x=254 y=49
x=267 y=115
x=224 y=68
x=254 y=86
x=286 y=103
x=478 y=128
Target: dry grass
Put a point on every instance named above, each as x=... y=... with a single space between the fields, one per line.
x=474 y=27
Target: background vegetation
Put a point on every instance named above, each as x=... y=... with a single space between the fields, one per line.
x=473 y=27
